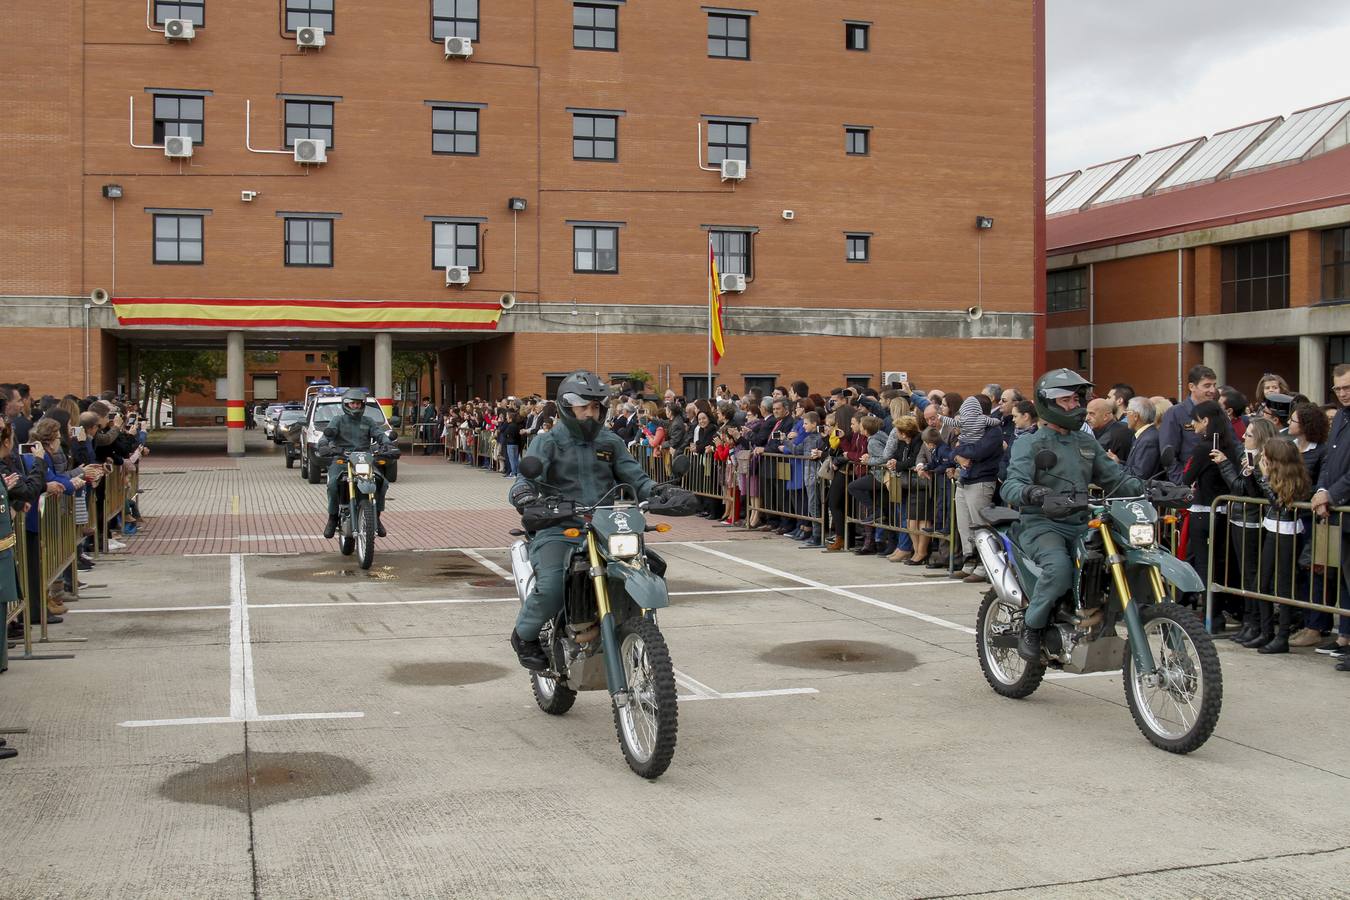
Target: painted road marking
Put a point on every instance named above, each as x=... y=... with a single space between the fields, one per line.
x=487 y=563
x=700 y=691
x=243 y=688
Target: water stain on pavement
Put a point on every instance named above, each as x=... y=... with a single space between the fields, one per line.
x=446 y=673
x=410 y=569
x=840 y=656
x=272 y=778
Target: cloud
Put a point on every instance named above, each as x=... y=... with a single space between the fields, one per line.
x=1127 y=78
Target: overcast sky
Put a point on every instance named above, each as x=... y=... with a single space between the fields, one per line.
x=1127 y=76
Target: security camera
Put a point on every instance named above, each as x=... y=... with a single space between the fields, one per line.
x=248 y=196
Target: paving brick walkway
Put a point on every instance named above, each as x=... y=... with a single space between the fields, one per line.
x=196 y=500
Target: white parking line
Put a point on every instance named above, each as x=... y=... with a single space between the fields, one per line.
x=487 y=563
x=701 y=691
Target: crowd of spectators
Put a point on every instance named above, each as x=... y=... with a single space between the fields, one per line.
x=60 y=445
x=902 y=459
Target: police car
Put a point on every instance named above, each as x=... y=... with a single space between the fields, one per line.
x=323 y=402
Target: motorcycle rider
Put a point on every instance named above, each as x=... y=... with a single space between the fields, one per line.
x=582 y=461
x=352 y=431
x=1061 y=396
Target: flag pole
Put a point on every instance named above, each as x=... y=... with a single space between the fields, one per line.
x=712 y=296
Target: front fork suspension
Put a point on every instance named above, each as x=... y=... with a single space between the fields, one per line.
x=1143 y=656
x=609 y=638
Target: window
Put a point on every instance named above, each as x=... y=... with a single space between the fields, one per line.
x=309 y=14
x=728 y=140
x=1255 y=276
x=595 y=27
x=855 y=35
x=1066 y=290
x=178 y=240
x=595 y=249
x=179 y=116
x=454 y=131
x=454 y=18
x=595 y=137
x=309 y=242
x=1336 y=264
x=455 y=244
x=856 y=247
x=861 y=382
x=309 y=119
x=731 y=249
x=265 y=388
x=309 y=358
x=765 y=383
x=192 y=10
x=856 y=141
x=728 y=36
x=1080 y=360
x=696 y=386
x=551 y=385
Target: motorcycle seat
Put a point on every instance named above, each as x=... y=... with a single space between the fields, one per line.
x=1000 y=516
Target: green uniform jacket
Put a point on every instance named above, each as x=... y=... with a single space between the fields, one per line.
x=1080 y=461
x=9 y=583
x=584 y=471
x=353 y=433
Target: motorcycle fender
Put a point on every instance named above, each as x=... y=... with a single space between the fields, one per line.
x=1178 y=572
x=365 y=485
x=645 y=588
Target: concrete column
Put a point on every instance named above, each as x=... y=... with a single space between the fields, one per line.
x=1312 y=367
x=1216 y=357
x=384 y=371
x=133 y=373
x=234 y=403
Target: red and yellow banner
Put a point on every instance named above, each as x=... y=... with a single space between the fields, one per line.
x=715 y=305
x=375 y=315
x=234 y=413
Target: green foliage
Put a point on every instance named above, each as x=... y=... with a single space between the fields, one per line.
x=170 y=372
x=640 y=377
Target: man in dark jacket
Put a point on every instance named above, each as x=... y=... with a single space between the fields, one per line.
x=1333 y=489
x=1143 y=459
x=352 y=430
x=1175 y=429
x=1114 y=435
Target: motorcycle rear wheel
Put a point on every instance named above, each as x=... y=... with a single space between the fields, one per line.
x=1179 y=712
x=1007 y=673
x=553 y=696
x=364 y=533
x=647 y=727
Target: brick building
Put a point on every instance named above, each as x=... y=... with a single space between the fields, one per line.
x=1232 y=250
x=573 y=161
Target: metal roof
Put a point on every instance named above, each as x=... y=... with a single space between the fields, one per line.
x=1297 y=135
x=1147 y=171
x=1086 y=186
x=1222 y=150
x=1054 y=183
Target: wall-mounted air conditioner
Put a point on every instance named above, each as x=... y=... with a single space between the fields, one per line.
x=456 y=275
x=458 y=47
x=179 y=30
x=733 y=170
x=309 y=37
x=176 y=147
x=733 y=282
x=310 y=151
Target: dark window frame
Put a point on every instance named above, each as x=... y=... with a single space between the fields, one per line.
x=455 y=132
x=293 y=7
x=308 y=126
x=309 y=242
x=723 y=255
x=199 y=5
x=854 y=240
x=696 y=386
x=861 y=382
x=159 y=126
x=178 y=239
x=594 y=29
x=726 y=38
x=852 y=28
x=594 y=249
x=726 y=144
x=1251 y=268
x=1335 y=280
x=766 y=383
x=456 y=18
x=593 y=139
x=1066 y=290
x=455 y=246
x=850 y=134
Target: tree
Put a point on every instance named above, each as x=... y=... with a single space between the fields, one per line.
x=639 y=378
x=166 y=373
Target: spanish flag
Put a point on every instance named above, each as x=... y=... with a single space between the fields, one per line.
x=715 y=305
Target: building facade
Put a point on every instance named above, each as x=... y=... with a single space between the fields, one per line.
x=1232 y=250
x=572 y=161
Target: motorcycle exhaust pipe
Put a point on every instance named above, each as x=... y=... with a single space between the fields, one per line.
x=1001 y=575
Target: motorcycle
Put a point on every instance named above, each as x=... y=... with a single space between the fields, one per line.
x=357 y=514
x=605 y=637
x=1173 y=683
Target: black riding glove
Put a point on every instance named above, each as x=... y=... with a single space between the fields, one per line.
x=523 y=494
x=1035 y=495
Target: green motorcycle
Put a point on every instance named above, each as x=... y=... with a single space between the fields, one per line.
x=1173 y=683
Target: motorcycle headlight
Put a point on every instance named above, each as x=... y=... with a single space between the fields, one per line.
x=1142 y=535
x=624 y=546
x=362 y=468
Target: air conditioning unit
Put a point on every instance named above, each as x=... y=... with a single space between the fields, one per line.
x=176 y=147
x=460 y=47
x=733 y=170
x=733 y=282
x=456 y=275
x=310 y=151
x=179 y=30
x=309 y=37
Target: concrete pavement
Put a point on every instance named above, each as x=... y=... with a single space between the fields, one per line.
x=244 y=724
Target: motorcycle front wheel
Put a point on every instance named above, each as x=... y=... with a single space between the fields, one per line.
x=364 y=529
x=553 y=696
x=1178 y=707
x=1007 y=673
x=648 y=724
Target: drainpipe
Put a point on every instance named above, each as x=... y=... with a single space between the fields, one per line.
x=1092 y=322
x=1180 y=325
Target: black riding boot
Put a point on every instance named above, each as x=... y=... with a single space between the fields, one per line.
x=330 y=528
x=1029 y=646
x=530 y=653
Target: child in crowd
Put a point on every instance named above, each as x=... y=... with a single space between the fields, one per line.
x=1284 y=482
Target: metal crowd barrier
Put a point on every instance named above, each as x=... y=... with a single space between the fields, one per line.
x=905 y=503
x=1243 y=559
x=58 y=548
x=114 y=505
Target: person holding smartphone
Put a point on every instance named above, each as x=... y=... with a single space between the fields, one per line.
x=1210 y=425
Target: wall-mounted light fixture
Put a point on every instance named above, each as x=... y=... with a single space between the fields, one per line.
x=983 y=222
x=516 y=204
x=112 y=191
